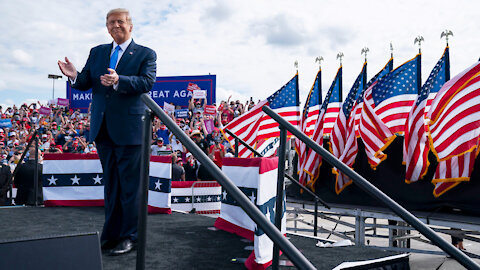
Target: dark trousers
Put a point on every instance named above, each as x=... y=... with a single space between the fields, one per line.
x=121 y=176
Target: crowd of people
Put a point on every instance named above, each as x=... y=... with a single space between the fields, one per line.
x=204 y=129
x=61 y=131
x=64 y=130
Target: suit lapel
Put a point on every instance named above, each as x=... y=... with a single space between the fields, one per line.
x=106 y=54
x=126 y=56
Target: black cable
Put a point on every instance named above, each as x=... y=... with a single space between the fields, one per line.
x=336 y=224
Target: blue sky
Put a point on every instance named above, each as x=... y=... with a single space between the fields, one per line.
x=250 y=45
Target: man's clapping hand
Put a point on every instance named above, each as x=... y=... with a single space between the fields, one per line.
x=68 y=69
x=109 y=79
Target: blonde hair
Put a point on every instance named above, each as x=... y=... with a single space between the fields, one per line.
x=120 y=10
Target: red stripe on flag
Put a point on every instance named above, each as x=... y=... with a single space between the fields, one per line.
x=222 y=224
x=74 y=203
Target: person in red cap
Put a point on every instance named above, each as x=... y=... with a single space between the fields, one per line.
x=217 y=150
x=178 y=172
x=59 y=147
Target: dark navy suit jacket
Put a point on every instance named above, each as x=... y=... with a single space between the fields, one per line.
x=122 y=108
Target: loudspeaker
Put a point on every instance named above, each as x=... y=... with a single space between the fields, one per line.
x=73 y=251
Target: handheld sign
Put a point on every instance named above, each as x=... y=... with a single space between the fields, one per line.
x=5 y=123
x=44 y=110
x=210 y=109
x=199 y=94
x=192 y=87
x=62 y=102
x=182 y=113
x=169 y=108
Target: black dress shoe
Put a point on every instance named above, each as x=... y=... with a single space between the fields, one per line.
x=123 y=247
x=108 y=244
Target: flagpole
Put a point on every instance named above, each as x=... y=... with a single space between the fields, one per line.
x=445 y=34
x=365 y=51
x=319 y=59
x=340 y=89
x=391 y=53
x=419 y=39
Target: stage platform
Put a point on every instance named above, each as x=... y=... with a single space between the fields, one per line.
x=176 y=241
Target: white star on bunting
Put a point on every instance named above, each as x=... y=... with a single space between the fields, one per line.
x=75 y=180
x=158 y=185
x=252 y=198
x=52 y=180
x=97 y=180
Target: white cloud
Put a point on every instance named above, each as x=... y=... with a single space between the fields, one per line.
x=281 y=30
x=22 y=57
x=219 y=12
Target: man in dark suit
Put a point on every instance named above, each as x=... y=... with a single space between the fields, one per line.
x=24 y=181
x=118 y=73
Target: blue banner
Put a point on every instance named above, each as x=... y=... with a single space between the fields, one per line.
x=173 y=89
x=5 y=123
x=182 y=113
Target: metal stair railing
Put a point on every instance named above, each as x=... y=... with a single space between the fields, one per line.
x=244 y=202
x=461 y=257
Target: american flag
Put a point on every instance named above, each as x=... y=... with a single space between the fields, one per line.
x=351 y=148
x=434 y=91
x=385 y=108
x=255 y=124
x=307 y=123
x=344 y=128
x=313 y=160
x=454 y=128
x=359 y=103
x=312 y=106
x=452 y=172
x=334 y=101
x=455 y=115
x=415 y=146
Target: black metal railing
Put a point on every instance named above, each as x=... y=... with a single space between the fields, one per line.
x=244 y=202
x=461 y=257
